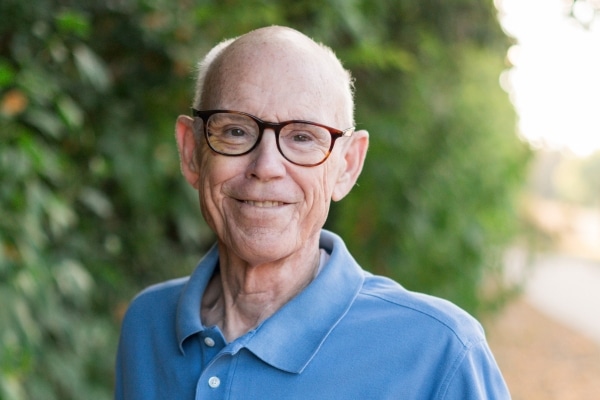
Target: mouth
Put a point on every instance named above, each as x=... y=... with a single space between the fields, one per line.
x=264 y=204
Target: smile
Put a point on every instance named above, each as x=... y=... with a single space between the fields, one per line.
x=264 y=204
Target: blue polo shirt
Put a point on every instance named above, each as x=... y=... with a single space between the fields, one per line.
x=348 y=335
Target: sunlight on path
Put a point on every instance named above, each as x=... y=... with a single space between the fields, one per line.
x=568 y=290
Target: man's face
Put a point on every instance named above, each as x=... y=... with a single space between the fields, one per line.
x=261 y=206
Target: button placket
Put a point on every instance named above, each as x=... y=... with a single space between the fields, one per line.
x=213 y=379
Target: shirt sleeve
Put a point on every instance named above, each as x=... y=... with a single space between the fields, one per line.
x=476 y=376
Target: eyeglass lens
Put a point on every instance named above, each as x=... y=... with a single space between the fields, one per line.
x=236 y=134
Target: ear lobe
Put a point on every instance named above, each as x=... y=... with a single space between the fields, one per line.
x=354 y=159
x=186 y=144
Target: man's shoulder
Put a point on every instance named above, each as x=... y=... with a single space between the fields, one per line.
x=162 y=289
x=405 y=307
x=157 y=296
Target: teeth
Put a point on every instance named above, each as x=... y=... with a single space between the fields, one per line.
x=263 y=204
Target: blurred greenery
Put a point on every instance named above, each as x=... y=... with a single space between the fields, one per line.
x=92 y=206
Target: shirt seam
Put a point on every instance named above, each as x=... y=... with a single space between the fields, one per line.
x=467 y=344
x=463 y=340
x=453 y=370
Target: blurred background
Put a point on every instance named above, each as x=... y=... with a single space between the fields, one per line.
x=481 y=185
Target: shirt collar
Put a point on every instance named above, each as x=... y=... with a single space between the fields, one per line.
x=188 y=321
x=291 y=337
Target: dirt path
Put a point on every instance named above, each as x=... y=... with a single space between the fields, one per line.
x=542 y=359
x=567 y=289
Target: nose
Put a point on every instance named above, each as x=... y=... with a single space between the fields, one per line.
x=267 y=162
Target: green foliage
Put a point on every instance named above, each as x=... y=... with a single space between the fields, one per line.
x=92 y=206
x=434 y=207
x=88 y=173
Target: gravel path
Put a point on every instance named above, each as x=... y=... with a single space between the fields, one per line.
x=542 y=359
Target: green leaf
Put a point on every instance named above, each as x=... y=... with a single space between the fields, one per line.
x=7 y=74
x=60 y=215
x=46 y=122
x=70 y=111
x=73 y=280
x=91 y=67
x=75 y=22
x=96 y=201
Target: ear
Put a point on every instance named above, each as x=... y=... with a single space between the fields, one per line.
x=354 y=159
x=186 y=144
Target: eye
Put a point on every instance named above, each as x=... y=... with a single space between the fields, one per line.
x=305 y=136
x=300 y=137
x=235 y=132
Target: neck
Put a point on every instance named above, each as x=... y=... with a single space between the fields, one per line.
x=241 y=296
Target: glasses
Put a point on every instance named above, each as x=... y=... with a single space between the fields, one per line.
x=234 y=133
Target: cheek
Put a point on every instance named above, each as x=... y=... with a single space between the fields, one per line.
x=207 y=205
x=211 y=178
x=318 y=196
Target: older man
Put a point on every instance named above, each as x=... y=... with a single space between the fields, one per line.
x=278 y=308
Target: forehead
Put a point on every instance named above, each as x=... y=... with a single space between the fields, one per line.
x=281 y=76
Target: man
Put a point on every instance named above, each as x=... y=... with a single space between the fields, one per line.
x=278 y=308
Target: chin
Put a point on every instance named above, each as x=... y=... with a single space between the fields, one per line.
x=264 y=245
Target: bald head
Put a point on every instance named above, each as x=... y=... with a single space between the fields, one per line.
x=282 y=62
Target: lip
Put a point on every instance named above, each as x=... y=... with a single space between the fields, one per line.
x=264 y=203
